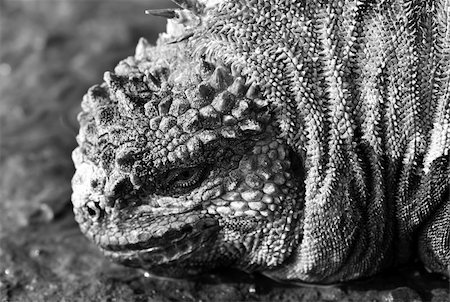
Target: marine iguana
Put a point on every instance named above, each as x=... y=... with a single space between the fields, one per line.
x=305 y=139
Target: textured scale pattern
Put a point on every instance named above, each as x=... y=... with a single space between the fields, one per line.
x=306 y=139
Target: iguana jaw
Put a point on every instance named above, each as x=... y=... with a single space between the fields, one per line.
x=176 y=243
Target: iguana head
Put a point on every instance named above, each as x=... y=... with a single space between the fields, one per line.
x=181 y=166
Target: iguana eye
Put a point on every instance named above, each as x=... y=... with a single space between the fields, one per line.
x=185 y=178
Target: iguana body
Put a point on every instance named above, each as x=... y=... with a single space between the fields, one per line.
x=306 y=139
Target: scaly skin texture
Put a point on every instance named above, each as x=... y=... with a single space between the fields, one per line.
x=305 y=139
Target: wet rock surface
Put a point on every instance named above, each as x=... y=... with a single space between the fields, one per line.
x=51 y=52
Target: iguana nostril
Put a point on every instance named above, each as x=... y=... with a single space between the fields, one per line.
x=94 y=210
x=91 y=211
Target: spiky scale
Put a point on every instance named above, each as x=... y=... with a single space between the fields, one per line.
x=178 y=107
x=208 y=136
x=210 y=117
x=238 y=87
x=224 y=102
x=220 y=78
x=164 y=106
x=190 y=120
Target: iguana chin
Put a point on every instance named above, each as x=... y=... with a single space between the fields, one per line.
x=305 y=139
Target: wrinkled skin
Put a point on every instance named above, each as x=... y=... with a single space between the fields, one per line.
x=176 y=190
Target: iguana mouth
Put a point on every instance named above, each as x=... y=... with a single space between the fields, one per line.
x=174 y=245
x=172 y=236
x=162 y=235
x=154 y=240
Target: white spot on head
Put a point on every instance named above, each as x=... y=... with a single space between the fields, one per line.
x=85 y=173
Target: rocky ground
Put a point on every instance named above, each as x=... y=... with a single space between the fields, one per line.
x=51 y=51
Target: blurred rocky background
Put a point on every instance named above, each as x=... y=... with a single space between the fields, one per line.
x=51 y=52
